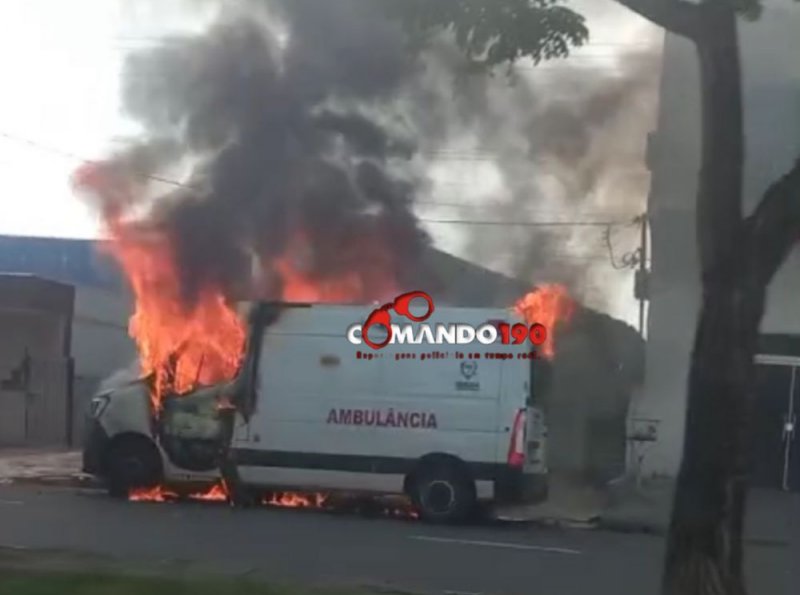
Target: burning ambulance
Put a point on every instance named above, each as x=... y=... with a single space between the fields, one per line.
x=448 y=426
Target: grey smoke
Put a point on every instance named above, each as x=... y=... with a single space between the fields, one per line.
x=568 y=141
x=281 y=142
x=331 y=133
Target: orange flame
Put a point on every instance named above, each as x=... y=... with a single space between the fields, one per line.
x=547 y=305
x=297 y=287
x=156 y=494
x=182 y=345
x=217 y=493
x=296 y=500
x=370 y=274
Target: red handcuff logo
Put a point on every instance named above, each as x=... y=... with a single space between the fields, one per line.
x=402 y=306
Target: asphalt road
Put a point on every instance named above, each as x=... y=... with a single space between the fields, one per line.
x=323 y=548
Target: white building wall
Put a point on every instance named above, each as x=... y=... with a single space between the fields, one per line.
x=100 y=341
x=772 y=126
x=100 y=345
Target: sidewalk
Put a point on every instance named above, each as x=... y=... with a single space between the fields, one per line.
x=570 y=503
x=644 y=508
x=41 y=465
x=771 y=514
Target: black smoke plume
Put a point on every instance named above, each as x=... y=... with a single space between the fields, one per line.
x=298 y=114
x=270 y=107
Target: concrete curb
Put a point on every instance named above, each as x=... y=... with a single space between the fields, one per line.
x=599 y=522
x=56 y=481
x=567 y=523
x=631 y=526
x=550 y=522
x=553 y=523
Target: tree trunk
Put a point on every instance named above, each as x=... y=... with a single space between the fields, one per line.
x=704 y=551
x=704 y=546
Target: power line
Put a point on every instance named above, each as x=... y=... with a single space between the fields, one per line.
x=167 y=35
x=605 y=224
x=586 y=217
x=554 y=258
x=463 y=156
x=630 y=260
x=179 y=34
x=468 y=156
x=582 y=61
x=477 y=155
x=73 y=156
x=521 y=207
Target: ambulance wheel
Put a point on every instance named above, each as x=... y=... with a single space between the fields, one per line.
x=443 y=494
x=132 y=463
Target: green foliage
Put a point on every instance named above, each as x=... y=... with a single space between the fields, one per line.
x=493 y=32
x=750 y=9
x=14 y=582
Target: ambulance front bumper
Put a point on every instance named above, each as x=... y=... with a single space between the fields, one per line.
x=94 y=448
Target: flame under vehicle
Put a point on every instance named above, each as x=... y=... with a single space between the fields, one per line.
x=306 y=411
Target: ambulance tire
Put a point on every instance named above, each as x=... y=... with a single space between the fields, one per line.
x=132 y=462
x=443 y=493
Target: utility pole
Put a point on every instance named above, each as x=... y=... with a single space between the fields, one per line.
x=642 y=277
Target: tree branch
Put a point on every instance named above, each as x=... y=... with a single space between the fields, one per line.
x=678 y=16
x=774 y=227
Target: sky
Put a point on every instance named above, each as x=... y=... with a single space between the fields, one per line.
x=59 y=104
x=61 y=63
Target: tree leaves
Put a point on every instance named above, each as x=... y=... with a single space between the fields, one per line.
x=750 y=10
x=494 y=32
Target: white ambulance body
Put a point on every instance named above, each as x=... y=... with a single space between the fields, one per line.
x=447 y=425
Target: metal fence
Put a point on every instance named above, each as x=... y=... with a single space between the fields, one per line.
x=36 y=403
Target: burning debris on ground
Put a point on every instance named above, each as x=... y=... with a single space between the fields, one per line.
x=332 y=503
